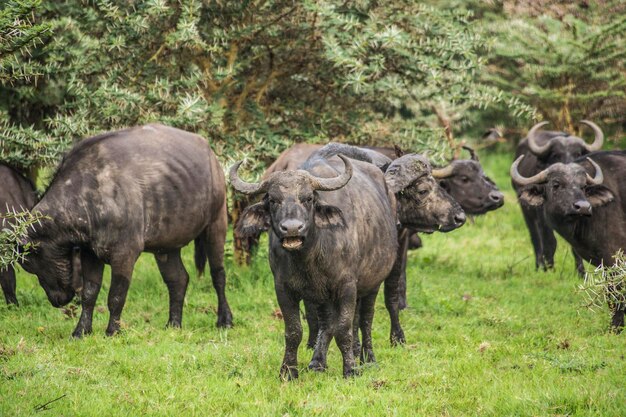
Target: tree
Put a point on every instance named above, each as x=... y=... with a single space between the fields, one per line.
x=21 y=145
x=568 y=63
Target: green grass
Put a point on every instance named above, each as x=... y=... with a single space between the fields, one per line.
x=486 y=336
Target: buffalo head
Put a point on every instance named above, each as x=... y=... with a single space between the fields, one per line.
x=56 y=265
x=566 y=191
x=550 y=148
x=422 y=204
x=290 y=204
x=466 y=182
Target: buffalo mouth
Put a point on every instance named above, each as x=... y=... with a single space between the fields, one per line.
x=448 y=227
x=292 y=242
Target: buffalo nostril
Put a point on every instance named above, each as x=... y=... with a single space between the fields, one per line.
x=496 y=196
x=291 y=226
x=582 y=207
x=459 y=218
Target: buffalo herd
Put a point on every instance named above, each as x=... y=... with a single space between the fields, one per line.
x=339 y=218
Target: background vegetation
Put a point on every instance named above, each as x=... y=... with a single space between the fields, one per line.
x=487 y=335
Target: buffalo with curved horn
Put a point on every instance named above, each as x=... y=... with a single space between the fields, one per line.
x=541 y=150
x=333 y=241
x=585 y=202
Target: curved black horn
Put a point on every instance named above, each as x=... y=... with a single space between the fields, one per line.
x=598 y=178
x=473 y=155
x=521 y=180
x=599 y=138
x=242 y=186
x=532 y=140
x=330 y=184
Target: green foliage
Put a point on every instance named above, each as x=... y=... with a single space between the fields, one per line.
x=21 y=33
x=14 y=227
x=569 y=67
x=254 y=76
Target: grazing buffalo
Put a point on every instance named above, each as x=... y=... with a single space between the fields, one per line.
x=542 y=149
x=333 y=240
x=146 y=189
x=17 y=193
x=585 y=202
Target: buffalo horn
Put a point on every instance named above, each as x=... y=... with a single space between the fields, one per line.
x=599 y=139
x=444 y=172
x=532 y=140
x=520 y=180
x=242 y=186
x=472 y=153
x=334 y=183
x=598 y=178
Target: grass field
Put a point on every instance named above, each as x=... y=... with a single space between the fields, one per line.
x=486 y=336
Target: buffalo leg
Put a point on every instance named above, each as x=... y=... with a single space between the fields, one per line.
x=356 y=341
x=366 y=317
x=289 y=307
x=324 y=336
x=530 y=217
x=176 y=278
x=121 y=273
x=391 y=299
x=310 y=313
x=7 y=281
x=403 y=244
x=343 y=329
x=548 y=242
x=578 y=261
x=216 y=238
x=92 y=269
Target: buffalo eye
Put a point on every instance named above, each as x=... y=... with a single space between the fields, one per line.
x=556 y=185
x=422 y=193
x=464 y=178
x=308 y=199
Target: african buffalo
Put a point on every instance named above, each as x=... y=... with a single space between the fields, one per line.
x=146 y=189
x=542 y=149
x=333 y=240
x=16 y=193
x=588 y=211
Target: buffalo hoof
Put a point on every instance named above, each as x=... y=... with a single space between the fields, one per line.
x=78 y=333
x=12 y=300
x=317 y=366
x=225 y=320
x=367 y=356
x=288 y=373
x=112 y=329
x=351 y=373
x=176 y=324
x=397 y=338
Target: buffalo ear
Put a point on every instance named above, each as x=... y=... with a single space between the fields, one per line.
x=599 y=195
x=328 y=217
x=254 y=220
x=531 y=196
x=399 y=152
